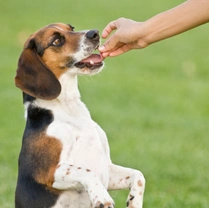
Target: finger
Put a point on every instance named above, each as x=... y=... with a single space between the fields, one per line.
x=119 y=51
x=111 y=44
x=108 y=29
x=105 y=54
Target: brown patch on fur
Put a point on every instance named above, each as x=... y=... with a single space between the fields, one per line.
x=108 y=204
x=127 y=177
x=140 y=184
x=68 y=171
x=45 y=153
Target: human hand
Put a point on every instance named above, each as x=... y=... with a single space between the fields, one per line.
x=126 y=37
x=134 y=35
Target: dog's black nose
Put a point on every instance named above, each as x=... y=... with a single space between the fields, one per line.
x=93 y=35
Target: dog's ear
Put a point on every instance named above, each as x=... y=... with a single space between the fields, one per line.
x=33 y=77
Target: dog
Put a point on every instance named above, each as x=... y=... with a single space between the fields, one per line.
x=64 y=160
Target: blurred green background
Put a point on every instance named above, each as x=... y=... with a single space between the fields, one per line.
x=152 y=103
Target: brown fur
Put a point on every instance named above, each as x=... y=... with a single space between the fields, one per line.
x=34 y=78
x=47 y=150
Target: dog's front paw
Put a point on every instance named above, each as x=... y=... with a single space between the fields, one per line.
x=134 y=201
x=104 y=204
x=129 y=200
x=135 y=197
x=102 y=200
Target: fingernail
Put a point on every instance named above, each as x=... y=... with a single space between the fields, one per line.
x=101 y=48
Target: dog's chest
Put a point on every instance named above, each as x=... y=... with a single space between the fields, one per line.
x=83 y=143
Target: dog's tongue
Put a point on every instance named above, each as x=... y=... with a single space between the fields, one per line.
x=94 y=58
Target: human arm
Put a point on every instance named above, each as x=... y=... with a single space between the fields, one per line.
x=135 y=35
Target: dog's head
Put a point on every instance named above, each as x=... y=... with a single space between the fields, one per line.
x=52 y=51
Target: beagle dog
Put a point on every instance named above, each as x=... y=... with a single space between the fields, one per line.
x=65 y=160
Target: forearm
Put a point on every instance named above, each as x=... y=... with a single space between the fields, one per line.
x=186 y=16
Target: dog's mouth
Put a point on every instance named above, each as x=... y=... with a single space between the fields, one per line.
x=92 y=62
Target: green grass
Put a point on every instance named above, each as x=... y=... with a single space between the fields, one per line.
x=152 y=103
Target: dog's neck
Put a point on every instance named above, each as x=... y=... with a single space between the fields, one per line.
x=67 y=103
x=69 y=89
x=68 y=100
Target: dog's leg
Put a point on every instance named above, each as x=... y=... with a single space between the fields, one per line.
x=71 y=177
x=124 y=178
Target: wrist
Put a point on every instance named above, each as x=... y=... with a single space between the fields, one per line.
x=143 y=35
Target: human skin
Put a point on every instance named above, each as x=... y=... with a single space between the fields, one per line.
x=130 y=34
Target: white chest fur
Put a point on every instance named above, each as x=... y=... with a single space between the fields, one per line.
x=84 y=143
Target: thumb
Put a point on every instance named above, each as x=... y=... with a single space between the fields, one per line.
x=108 y=29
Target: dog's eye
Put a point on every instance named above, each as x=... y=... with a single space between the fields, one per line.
x=56 y=42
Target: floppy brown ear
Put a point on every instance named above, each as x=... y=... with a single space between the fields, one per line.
x=34 y=78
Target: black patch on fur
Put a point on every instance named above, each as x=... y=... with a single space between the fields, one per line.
x=71 y=27
x=37 y=47
x=27 y=98
x=29 y=193
x=38 y=119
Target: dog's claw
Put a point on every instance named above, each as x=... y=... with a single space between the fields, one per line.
x=128 y=202
x=132 y=197
x=101 y=205
x=106 y=205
